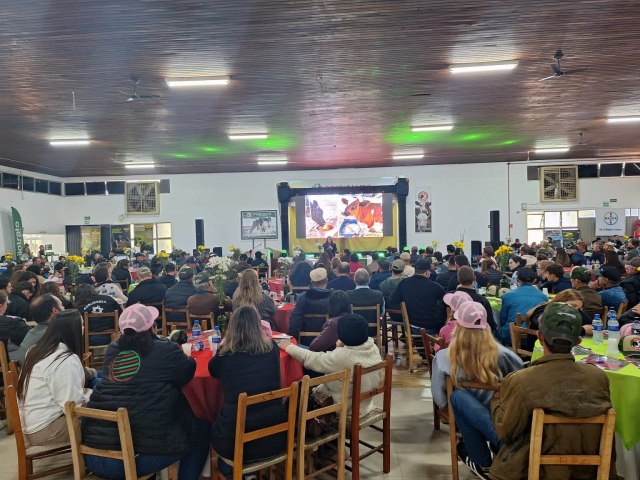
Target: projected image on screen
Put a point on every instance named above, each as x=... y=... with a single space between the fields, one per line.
x=343 y=216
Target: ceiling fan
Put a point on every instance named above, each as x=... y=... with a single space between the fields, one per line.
x=135 y=97
x=557 y=71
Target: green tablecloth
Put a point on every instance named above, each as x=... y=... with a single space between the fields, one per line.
x=624 y=385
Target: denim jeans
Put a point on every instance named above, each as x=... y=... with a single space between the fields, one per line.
x=473 y=419
x=191 y=463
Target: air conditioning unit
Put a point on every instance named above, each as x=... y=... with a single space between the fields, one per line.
x=559 y=184
x=142 y=198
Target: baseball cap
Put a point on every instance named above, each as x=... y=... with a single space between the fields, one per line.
x=191 y=259
x=422 y=265
x=408 y=271
x=582 y=274
x=630 y=346
x=472 y=315
x=560 y=323
x=455 y=300
x=397 y=265
x=405 y=256
x=318 y=275
x=143 y=271
x=138 y=317
x=201 y=279
x=610 y=273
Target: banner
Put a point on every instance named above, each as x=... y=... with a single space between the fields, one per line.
x=610 y=221
x=258 y=224
x=18 y=238
x=423 y=210
x=120 y=237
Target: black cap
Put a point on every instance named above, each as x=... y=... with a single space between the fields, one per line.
x=353 y=329
x=422 y=265
x=611 y=273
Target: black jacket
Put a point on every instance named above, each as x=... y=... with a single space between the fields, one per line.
x=147 y=291
x=628 y=317
x=299 y=274
x=481 y=280
x=631 y=287
x=120 y=273
x=365 y=297
x=162 y=422
x=168 y=280
x=13 y=329
x=445 y=277
x=560 y=285
x=343 y=283
x=18 y=306
x=177 y=296
x=423 y=298
x=101 y=304
x=314 y=300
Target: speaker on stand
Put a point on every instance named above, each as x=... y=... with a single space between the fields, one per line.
x=494 y=226
x=199 y=232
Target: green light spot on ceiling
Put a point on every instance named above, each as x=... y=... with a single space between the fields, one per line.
x=209 y=149
x=472 y=137
x=509 y=142
x=180 y=155
x=273 y=142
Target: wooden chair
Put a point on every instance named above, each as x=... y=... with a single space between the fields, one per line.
x=429 y=343
x=124 y=284
x=94 y=360
x=602 y=460
x=79 y=450
x=409 y=336
x=368 y=312
x=372 y=418
x=168 y=325
x=262 y=272
x=453 y=438
x=206 y=320
x=27 y=455
x=4 y=367
x=622 y=308
x=310 y=333
x=306 y=448
x=243 y=437
x=518 y=334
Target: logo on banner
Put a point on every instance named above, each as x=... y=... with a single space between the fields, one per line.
x=610 y=218
x=423 y=196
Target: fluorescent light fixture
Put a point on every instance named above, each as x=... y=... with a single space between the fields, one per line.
x=623 y=119
x=70 y=143
x=408 y=156
x=139 y=165
x=198 y=81
x=483 y=67
x=248 y=136
x=432 y=128
x=272 y=162
x=552 y=150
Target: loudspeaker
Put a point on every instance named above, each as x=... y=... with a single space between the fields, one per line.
x=402 y=187
x=217 y=251
x=199 y=232
x=494 y=225
x=284 y=192
x=476 y=248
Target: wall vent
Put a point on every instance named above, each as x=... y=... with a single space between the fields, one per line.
x=559 y=184
x=142 y=198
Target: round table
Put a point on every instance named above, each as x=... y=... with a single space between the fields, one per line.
x=283 y=315
x=204 y=393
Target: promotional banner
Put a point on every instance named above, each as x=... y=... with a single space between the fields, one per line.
x=120 y=237
x=610 y=221
x=423 y=209
x=18 y=239
x=258 y=224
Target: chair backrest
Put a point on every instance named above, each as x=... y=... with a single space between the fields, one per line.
x=207 y=320
x=429 y=342
x=79 y=450
x=602 y=459
x=622 y=308
x=312 y=316
x=383 y=388
x=372 y=314
x=88 y=333
x=289 y=426
x=4 y=362
x=124 y=284
x=13 y=412
x=517 y=335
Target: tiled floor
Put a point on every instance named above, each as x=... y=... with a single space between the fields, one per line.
x=417 y=451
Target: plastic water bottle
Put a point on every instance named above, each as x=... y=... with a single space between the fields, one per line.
x=216 y=338
x=196 y=330
x=598 y=333
x=635 y=327
x=198 y=346
x=475 y=285
x=614 y=332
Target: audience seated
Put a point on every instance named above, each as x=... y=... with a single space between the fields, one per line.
x=121 y=270
x=178 y=295
x=19 y=299
x=88 y=301
x=380 y=275
x=570 y=297
x=354 y=263
x=325 y=262
x=463 y=261
x=204 y=301
x=12 y=329
x=631 y=284
x=315 y=300
x=52 y=288
x=629 y=316
x=454 y=301
x=339 y=305
x=259 y=261
x=343 y=281
x=300 y=271
x=556 y=281
x=52 y=375
x=42 y=310
x=105 y=286
x=591 y=300
x=388 y=286
x=168 y=278
x=444 y=278
x=608 y=284
x=148 y=289
x=466 y=277
x=373 y=266
x=250 y=292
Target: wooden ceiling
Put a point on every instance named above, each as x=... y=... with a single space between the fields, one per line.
x=335 y=83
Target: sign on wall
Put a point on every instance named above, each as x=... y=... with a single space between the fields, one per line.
x=423 y=209
x=610 y=221
x=258 y=224
x=18 y=240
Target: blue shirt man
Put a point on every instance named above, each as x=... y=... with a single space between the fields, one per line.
x=612 y=294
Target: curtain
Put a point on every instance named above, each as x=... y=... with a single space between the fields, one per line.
x=74 y=240
x=587 y=227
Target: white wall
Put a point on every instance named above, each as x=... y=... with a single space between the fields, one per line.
x=462 y=197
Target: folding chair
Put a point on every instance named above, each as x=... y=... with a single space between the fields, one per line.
x=368 y=313
x=94 y=360
x=602 y=460
x=429 y=343
x=375 y=416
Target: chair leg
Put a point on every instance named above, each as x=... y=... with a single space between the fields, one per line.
x=436 y=417
x=354 y=452
x=172 y=471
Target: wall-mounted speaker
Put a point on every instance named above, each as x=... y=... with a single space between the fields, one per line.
x=199 y=232
x=476 y=249
x=284 y=192
x=402 y=187
x=494 y=225
x=217 y=251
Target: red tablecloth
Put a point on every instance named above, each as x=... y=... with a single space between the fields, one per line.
x=276 y=285
x=282 y=316
x=204 y=393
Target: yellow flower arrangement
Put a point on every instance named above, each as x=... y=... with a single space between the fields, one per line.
x=202 y=248
x=75 y=259
x=503 y=250
x=8 y=256
x=162 y=255
x=434 y=244
x=568 y=235
x=232 y=248
x=458 y=244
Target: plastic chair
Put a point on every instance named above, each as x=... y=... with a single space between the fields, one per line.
x=368 y=313
x=243 y=437
x=95 y=361
x=602 y=460
x=429 y=343
x=375 y=416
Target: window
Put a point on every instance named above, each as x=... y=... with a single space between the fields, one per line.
x=162 y=237
x=10 y=180
x=72 y=189
x=55 y=188
x=555 y=224
x=96 y=188
x=586 y=214
x=570 y=219
x=42 y=186
x=27 y=184
x=115 y=188
x=551 y=219
x=631 y=212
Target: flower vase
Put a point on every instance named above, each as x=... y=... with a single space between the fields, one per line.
x=221 y=320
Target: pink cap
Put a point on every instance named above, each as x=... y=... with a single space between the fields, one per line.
x=472 y=315
x=455 y=300
x=138 y=317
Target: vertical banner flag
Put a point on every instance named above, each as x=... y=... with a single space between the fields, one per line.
x=610 y=221
x=423 y=209
x=18 y=239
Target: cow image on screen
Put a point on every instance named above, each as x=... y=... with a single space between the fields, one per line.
x=343 y=216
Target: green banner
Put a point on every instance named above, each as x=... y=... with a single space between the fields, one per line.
x=16 y=222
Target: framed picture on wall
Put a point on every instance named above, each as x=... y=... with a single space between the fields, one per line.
x=258 y=224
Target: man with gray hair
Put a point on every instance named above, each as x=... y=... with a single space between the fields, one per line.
x=363 y=296
x=204 y=301
x=313 y=301
x=343 y=281
x=148 y=290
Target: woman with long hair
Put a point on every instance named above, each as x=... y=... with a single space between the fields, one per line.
x=570 y=297
x=474 y=356
x=145 y=375
x=515 y=263
x=325 y=262
x=330 y=248
x=121 y=270
x=339 y=305
x=489 y=270
x=611 y=259
x=250 y=292
x=247 y=361
x=562 y=258
x=52 y=374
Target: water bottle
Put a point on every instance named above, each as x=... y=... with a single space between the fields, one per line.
x=475 y=285
x=598 y=333
x=216 y=338
x=198 y=346
x=614 y=331
x=196 y=331
x=635 y=327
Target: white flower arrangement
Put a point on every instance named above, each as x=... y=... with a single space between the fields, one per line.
x=219 y=265
x=284 y=264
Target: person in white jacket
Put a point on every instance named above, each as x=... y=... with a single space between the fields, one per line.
x=353 y=346
x=52 y=375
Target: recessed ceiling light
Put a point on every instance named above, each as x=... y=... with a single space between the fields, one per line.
x=552 y=150
x=483 y=67
x=408 y=156
x=431 y=128
x=140 y=165
x=623 y=119
x=198 y=81
x=70 y=143
x=248 y=136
